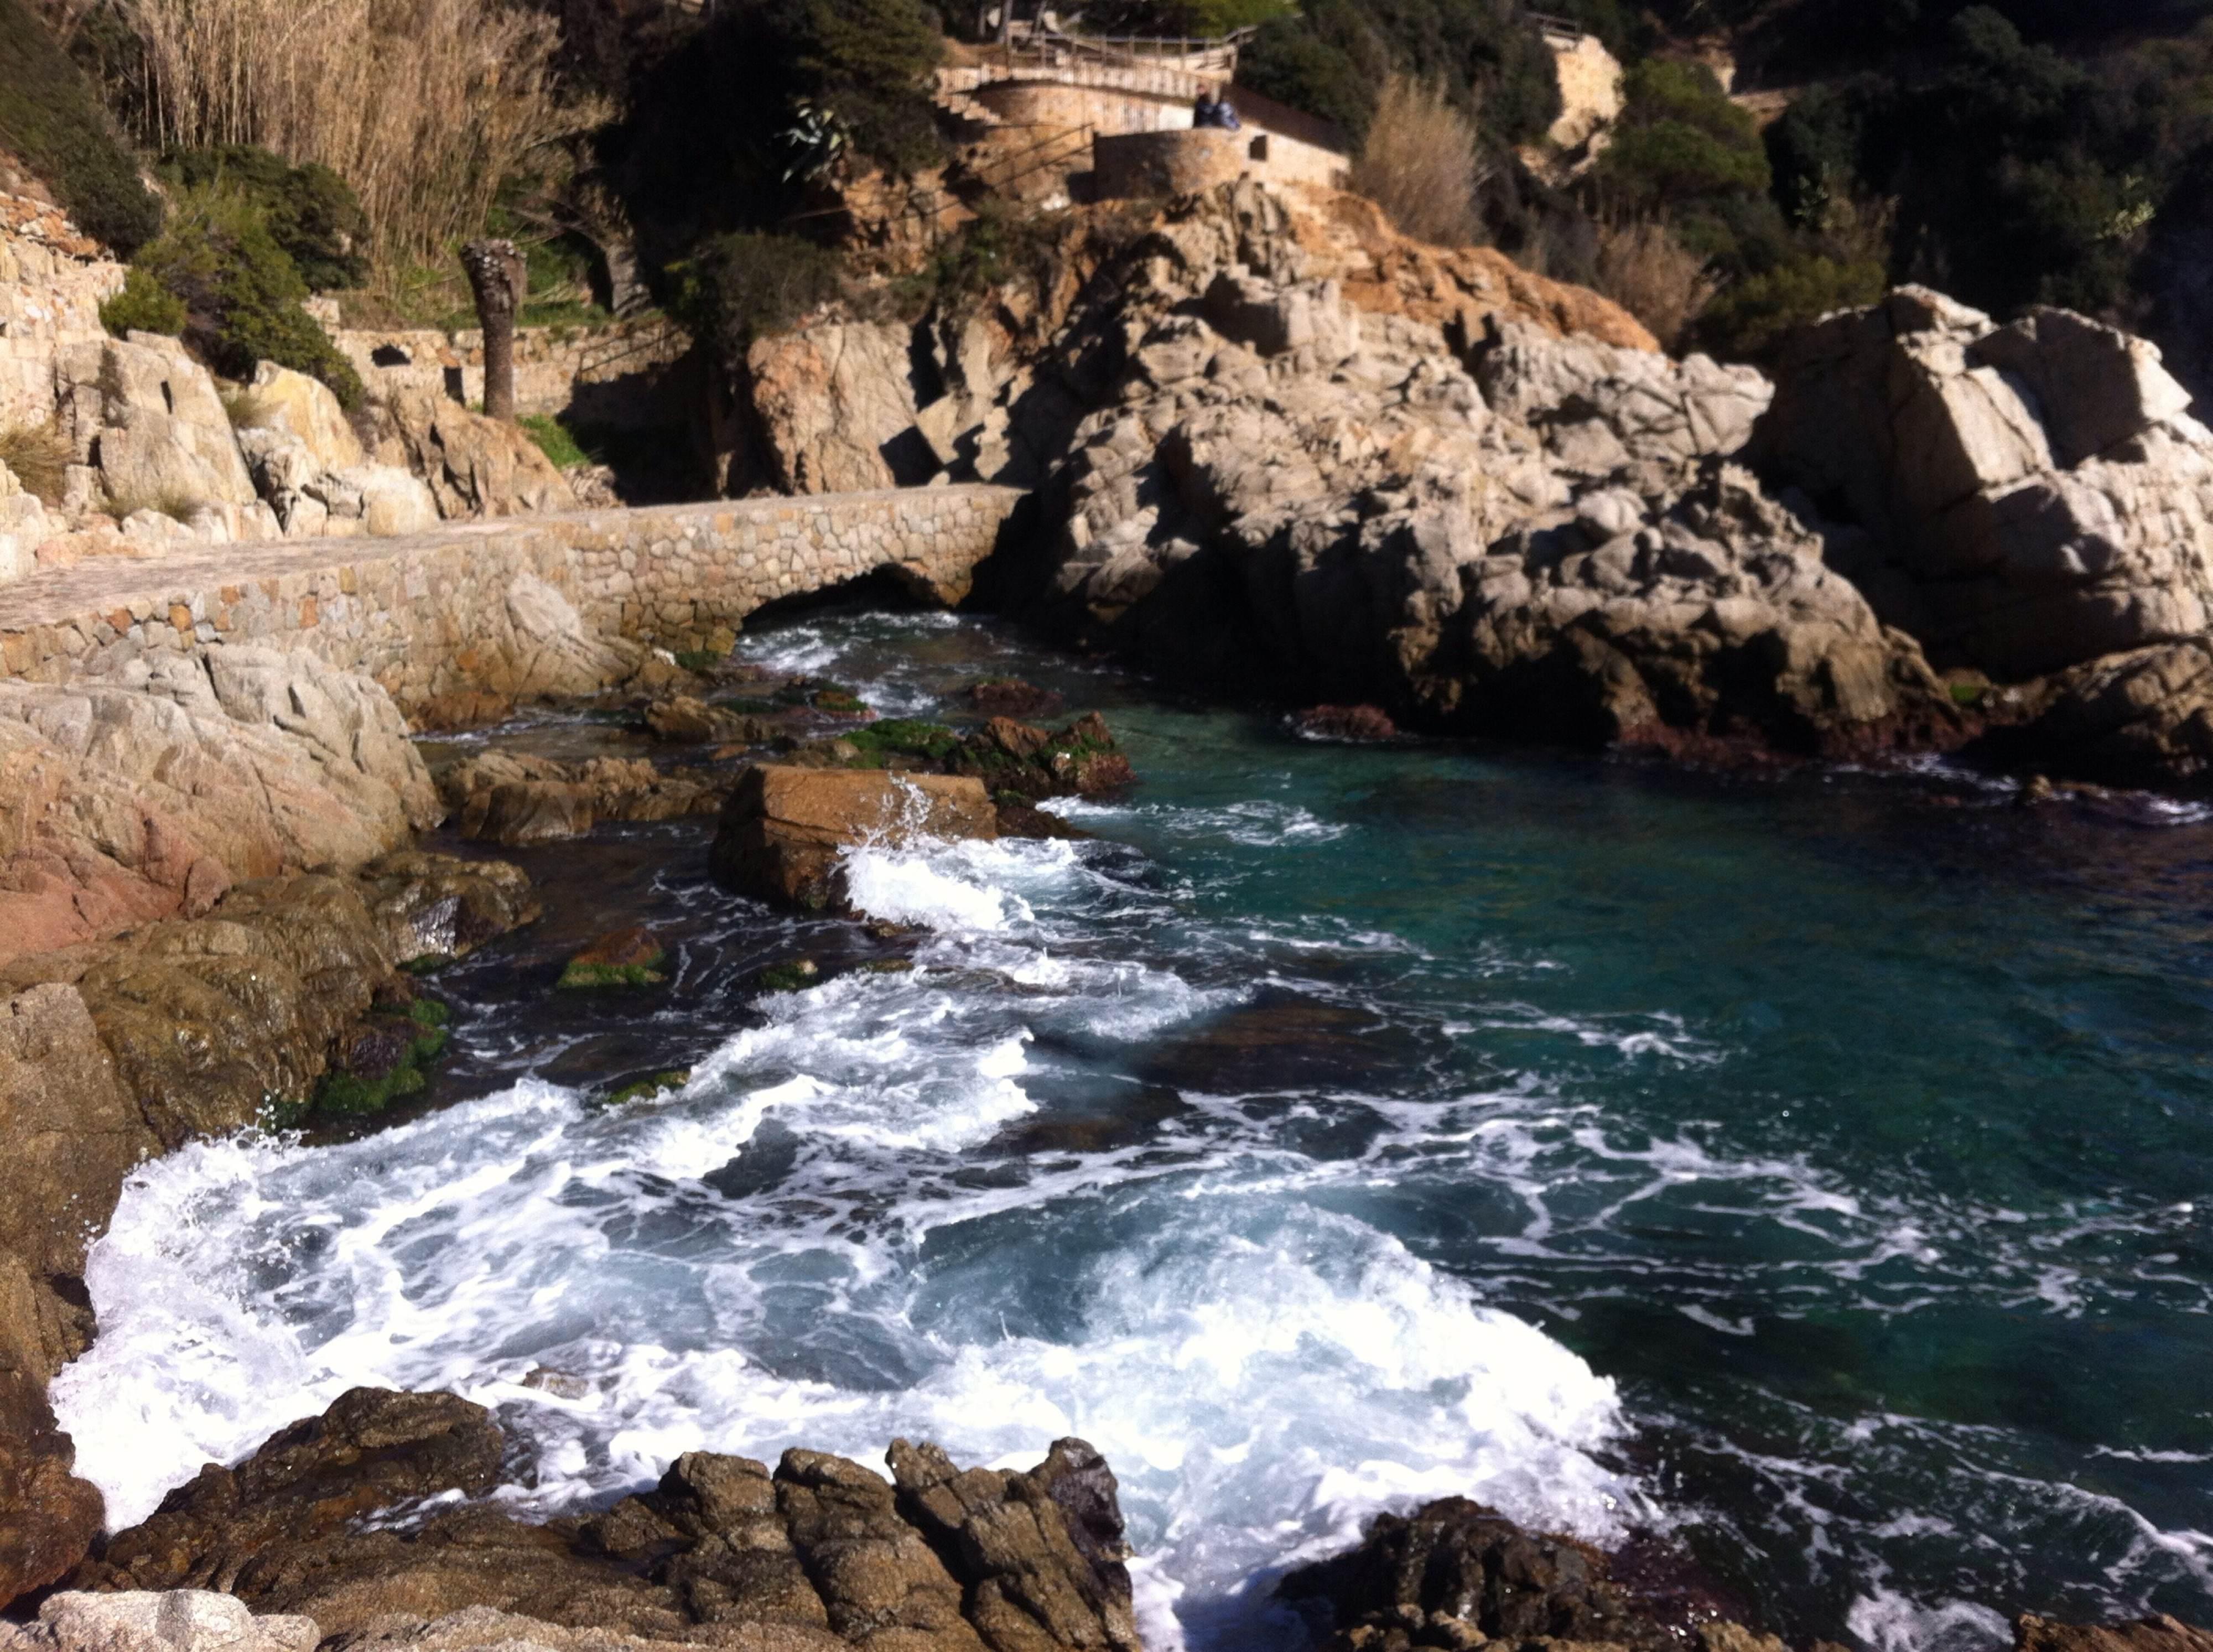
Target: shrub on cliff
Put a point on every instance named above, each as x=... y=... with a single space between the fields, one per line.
x=1421 y=163
x=311 y=212
x=144 y=305
x=738 y=288
x=50 y=117
x=1334 y=58
x=241 y=292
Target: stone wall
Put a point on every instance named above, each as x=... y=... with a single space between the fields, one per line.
x=410 y=612
x=616 y=376
x=52 y=282
x=1180 y=163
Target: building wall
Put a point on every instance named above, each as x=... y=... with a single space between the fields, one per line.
x=1179 y=163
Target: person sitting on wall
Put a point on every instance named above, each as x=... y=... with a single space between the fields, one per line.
x=1225 y=116
x=1202 y=113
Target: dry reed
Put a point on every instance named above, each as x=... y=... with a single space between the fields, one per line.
x=1649 y=273
x=1422 y=163
x=38 y=456
x=422 y=105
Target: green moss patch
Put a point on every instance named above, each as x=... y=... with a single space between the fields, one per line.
x=594 y=977
x=795 y=976
x=645 y=1089
x=421 y=1036
x=928 y=741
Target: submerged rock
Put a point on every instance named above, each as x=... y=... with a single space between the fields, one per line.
x=627 y=957
x=507 y=797
x=783 y=829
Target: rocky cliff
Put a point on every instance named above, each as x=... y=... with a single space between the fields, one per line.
x=1277 y=445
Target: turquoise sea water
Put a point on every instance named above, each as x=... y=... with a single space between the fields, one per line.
x=1816 y=1166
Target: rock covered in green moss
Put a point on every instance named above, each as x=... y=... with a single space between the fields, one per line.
x=629 y=957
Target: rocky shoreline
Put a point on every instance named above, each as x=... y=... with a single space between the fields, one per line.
x=1256 y=461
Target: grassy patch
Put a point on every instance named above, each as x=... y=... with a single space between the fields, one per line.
x=555 y=440
x=39 y=457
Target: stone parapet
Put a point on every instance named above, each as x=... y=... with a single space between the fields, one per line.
x=409 y=612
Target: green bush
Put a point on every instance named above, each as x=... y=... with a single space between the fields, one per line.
x=144 y=305
x=240 y=293
x=739 y=288
x=311 y=212
x=50 y=117
x=1334 y=59
x=1680 y=139
x=1745 y=322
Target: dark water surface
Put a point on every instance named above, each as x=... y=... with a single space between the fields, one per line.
x=1819 y=1166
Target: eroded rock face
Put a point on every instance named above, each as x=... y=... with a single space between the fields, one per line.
x=2155 y=1634
x=2034 y=495
x=821 y=1555
x=148 y=417
x=834 y=402
x=1477 y=525
x=507 y=797
x=783 y=829
x=473 y=465
x=128 y=798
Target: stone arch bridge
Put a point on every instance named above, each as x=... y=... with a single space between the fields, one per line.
x=455 y=610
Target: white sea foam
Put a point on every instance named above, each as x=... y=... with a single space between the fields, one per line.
x=782 y=1252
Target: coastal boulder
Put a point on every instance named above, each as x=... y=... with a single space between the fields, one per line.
x=2033 y=496
x=148 y=417
x=176 y=1620
x=128 y=797
x=473 y=465
x=783 y=829
x=1458 y=1560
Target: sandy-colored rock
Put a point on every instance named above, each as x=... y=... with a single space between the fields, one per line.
x=783 y=830
x=149 y=417
x=302 y=407
x=177 y=1620
x=24 y=526
x=127 y=798
x=2033 y=496
x=2160 y=1633
x=473 y=465
x=836 y=408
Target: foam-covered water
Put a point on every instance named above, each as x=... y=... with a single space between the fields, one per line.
x=1800 y=1166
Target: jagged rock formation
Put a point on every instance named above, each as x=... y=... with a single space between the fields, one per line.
x=1463 y=518
x=989 y=392
x=475 y=466
x=310 y=465
x=821 y=1555
x=2033 y=501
